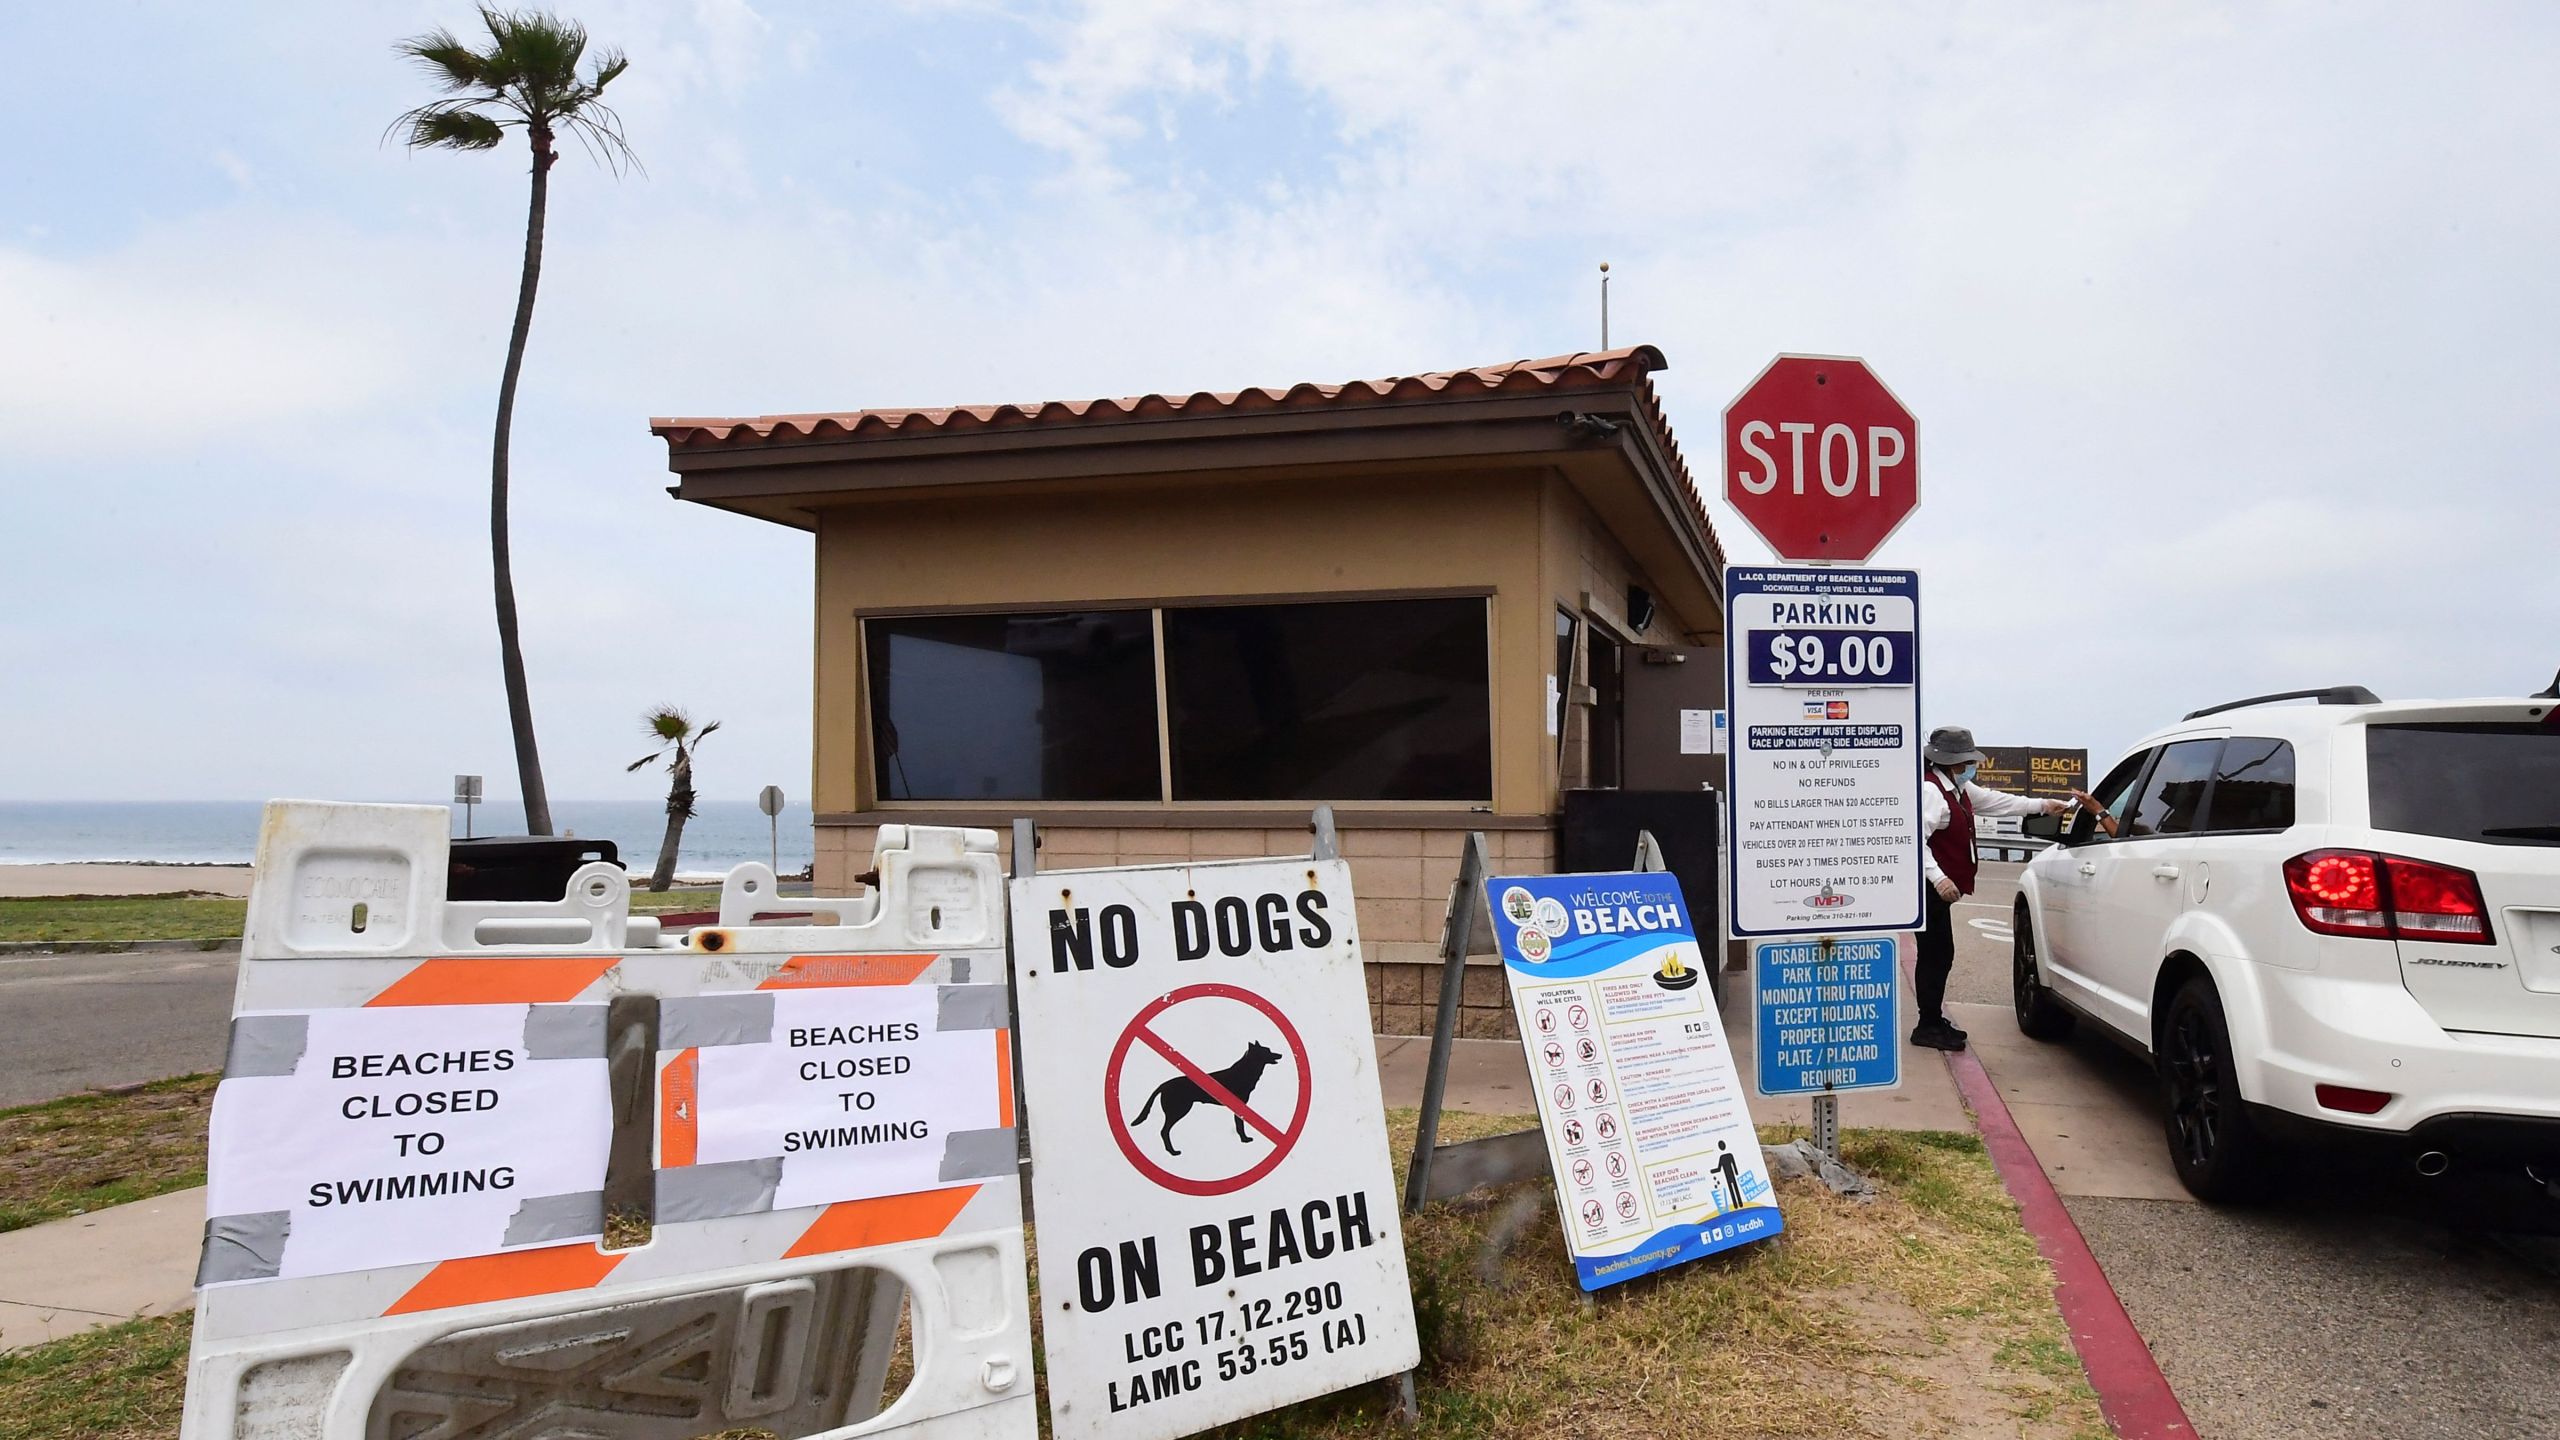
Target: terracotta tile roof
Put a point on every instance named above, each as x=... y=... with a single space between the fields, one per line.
x=1589 y=370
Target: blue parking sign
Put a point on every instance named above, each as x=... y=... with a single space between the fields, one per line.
x=1828 y=1015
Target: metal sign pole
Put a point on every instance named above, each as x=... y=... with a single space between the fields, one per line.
x=1457 y=933
x=1826 y=1106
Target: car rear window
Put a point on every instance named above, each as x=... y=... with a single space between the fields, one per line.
x=2499 y=784
x=2252 y=786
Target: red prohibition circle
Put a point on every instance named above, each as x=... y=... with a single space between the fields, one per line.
x=1120 y=1127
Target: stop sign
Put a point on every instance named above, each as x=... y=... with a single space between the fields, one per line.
x=1820 y=459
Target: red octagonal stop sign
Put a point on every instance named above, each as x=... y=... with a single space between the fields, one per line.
x=1820 y=458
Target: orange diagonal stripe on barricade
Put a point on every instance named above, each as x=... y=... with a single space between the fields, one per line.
x=1004 y=1078
x=509 y=1276
x=679 y=1122
x=885 y=1220
x=802 y=972
x=496 y=982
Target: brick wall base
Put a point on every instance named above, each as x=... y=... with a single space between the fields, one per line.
x=1400 y=878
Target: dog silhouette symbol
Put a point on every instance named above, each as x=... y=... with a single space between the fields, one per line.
x=1181 y=1094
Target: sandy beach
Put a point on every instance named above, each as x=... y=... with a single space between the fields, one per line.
x=20 y=881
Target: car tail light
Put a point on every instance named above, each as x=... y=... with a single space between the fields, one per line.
x=2436 y=902
x=2386 y=897
x=2350 y=1099
x=2338 y=892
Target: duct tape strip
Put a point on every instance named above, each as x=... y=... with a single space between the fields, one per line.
x=979 y=1154
x=972 y=1007
x=687 y=1022
x=244 y=1247
x=727 y=1187
x=564 y=1032
x=574 y=1216
x=266 y=1045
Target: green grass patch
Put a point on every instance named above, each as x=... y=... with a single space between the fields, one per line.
x=114 y=918
x=1927 y=1312
x=86 y=1152
x=125 y=1382
x=645 y=901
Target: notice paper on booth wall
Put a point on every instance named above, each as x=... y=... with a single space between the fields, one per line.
x=1655 y=1158
x=1701 y=732
x=354 y=1139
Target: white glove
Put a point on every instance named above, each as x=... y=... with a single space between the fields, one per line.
x=1946 y=889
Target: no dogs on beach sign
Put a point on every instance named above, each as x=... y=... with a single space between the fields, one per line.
x=1218 y=1220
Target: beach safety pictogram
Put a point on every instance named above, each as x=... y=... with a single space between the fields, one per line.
x=1207 y=1089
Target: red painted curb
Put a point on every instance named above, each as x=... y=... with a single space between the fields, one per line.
x=2132 y=1393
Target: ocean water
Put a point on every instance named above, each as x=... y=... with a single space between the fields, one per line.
x=225 y=832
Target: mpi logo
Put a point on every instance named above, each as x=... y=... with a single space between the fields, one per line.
x=1826 y=899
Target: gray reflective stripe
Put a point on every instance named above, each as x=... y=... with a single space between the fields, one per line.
x=707 y=1192
x=266 y=1044
x=687 y=1021
x=564 y=1032
x=244 y=1247
x=972 y=1007
x=978 y=1154
x=556 y=1217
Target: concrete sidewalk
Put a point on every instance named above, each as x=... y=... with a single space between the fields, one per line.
x=66 y=1276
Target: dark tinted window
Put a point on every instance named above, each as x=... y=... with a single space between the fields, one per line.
x=2252 y=786
x=1015 y=707
x=2174 y=794
x=1350 y=700
x=2494 y=783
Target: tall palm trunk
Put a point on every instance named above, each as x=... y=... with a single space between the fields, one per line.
x=537 y=798
x=679 y=810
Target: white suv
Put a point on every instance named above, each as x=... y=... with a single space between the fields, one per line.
x=2318 y=920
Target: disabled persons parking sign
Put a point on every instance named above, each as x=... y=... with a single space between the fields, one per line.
x=1648 y=1133
x=1218 y=1222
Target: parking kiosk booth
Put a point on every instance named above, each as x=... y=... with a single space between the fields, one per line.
x=1164 y=626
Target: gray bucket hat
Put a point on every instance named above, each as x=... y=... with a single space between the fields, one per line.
x=1952 y=745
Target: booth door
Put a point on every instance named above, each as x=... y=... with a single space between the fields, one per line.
x=1659 y=682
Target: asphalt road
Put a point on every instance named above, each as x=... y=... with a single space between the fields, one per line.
x=75 y=1022
x=2361 y=1302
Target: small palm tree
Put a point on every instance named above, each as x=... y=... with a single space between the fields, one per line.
x=677 y=740
x=526 y=79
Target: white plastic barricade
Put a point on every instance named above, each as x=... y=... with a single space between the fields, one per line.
x=444 y=1124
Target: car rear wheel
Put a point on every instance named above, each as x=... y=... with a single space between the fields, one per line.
x=2041 y=1016
x=2218 y=1152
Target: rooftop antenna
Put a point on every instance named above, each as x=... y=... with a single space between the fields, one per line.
x=1604 y=304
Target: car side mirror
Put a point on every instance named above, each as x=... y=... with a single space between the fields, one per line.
x=2042 y=827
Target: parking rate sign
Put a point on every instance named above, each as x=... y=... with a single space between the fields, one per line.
x=1828 y=1015
x=1217 y=1215
x=1823 y=767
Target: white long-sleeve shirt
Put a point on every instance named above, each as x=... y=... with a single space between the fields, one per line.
x=1935 y=812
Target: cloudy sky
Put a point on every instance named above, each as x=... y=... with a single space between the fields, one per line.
x=2230 y=329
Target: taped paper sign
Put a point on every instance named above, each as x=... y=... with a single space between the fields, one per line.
x=354 y=1139
x=1655 y=1158
x=808 y=1097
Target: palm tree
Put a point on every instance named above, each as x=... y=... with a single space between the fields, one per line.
x=526 y=79
x=677 y=740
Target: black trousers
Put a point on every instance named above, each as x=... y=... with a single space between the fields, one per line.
x=1937 y=957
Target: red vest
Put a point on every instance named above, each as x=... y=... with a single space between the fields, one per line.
x=1953 y=846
